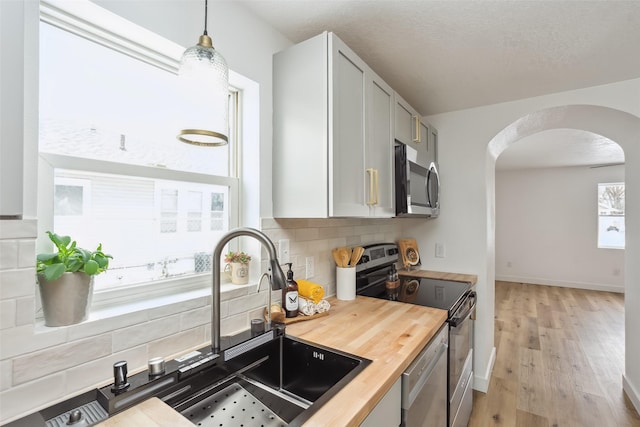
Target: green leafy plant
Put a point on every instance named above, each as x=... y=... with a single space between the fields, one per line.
x=71 y=259
x=240 y=257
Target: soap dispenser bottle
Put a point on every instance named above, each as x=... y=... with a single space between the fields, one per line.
x=290 y=295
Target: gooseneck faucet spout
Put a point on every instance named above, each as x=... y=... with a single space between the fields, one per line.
x=278 y=278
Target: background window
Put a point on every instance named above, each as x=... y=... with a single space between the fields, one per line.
x=611 y=228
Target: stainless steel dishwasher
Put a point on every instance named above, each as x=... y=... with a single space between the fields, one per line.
x=424 y=385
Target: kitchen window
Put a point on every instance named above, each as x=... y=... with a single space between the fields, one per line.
x=111 y=168
x=611 y=229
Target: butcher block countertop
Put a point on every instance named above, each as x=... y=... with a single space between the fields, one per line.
x=439 y=275
x=389 y=333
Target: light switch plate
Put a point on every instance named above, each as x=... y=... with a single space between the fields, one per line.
x=310 y=267
x=283 y=251
x=439 y=250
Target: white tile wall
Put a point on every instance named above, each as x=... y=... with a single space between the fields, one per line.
x=40 y=366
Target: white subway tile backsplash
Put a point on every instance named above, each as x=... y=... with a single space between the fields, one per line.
x=32 y=396
x=58 y=358
x=103 y=326
x=25 y=311
x=7 y=314
x=6 y=375
x=193 y=318
x=250 y=302
x=303 y=234
x=179 y=307
x=145 y=332
x=17 y=283
x=8 y=254
x=169 y=347
x=13 y=229
x=23 y=339
x=99 y=372
x=234 y=324
x=26 y=253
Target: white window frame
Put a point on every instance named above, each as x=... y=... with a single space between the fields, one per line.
x=92 y=22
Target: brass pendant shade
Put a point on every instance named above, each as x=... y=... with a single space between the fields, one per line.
x=205 y=78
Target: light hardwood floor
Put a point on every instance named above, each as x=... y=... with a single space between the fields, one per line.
x=559 y=360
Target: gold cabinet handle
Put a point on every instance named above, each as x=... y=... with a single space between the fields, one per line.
x=416 y=123
x=372 y=191
x=377 y=184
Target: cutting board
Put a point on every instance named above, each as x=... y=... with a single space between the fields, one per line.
x=299 y=318
x=152 y=412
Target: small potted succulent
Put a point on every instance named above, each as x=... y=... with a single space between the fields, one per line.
x=238 y=267
x=65 y=279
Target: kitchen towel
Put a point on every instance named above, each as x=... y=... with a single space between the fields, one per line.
x=310 y=290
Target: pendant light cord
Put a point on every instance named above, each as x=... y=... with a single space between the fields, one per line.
x=205 y=17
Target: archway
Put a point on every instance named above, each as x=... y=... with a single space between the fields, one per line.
x=624 y=129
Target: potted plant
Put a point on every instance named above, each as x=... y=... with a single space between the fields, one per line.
x=238 y=267
x=65 y=279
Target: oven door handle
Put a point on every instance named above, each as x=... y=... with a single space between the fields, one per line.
x=454 y=322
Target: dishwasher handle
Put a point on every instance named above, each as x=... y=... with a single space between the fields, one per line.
x=410 y=392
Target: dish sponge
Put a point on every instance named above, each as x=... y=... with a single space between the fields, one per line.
x=310 y=290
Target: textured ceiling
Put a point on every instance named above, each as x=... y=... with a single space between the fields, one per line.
x=443 y=56
x=560 y=148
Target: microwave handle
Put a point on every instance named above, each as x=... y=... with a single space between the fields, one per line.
x=433 y=174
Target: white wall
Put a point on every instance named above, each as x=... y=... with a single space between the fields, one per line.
x=470 y=142
x=546 y=228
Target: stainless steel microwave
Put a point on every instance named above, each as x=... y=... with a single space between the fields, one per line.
x=417 y=186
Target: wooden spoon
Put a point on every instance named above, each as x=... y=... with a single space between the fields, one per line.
x=336 y=256
x=345 y=256
x=356 y=255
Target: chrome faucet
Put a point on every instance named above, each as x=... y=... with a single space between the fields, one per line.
x=278 y=281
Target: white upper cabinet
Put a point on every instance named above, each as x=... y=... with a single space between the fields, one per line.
x=407 y=122
x=332 y=133
x=432 y=144
x=411 y=130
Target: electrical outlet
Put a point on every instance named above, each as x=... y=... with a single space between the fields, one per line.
x=310 y=267
x=283 y=251
x=439 y=250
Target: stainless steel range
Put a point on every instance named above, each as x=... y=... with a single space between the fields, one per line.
x=458 y=298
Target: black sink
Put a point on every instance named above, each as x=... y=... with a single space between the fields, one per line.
x=282 y=382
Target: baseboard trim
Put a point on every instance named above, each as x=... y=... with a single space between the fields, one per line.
x=631 y=393
x=481 y=382
x=561 y=283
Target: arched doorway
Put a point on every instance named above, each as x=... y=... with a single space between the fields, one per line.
x=623 y=128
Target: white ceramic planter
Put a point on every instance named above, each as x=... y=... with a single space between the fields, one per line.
x=239 y=273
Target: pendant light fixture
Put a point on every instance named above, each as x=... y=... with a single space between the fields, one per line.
x=205 y=78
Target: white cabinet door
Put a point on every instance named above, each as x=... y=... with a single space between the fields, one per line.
x=379 y=151
x=403 y=120
x=347 y=104
x=407 y=122
x=433 y=144
x=332 y=120
x=387 y=413
x=300 y=130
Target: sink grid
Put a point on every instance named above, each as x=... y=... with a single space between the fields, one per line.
x=232 y=406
